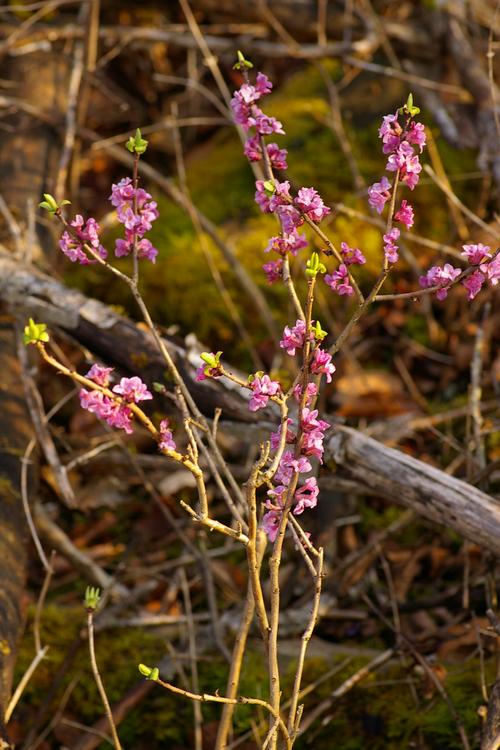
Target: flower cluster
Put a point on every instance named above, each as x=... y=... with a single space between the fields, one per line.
x=339 y=280
x=273 y=196
x=486 y=269
x=166 y=442
x=116 y=412
x=307 y=437
x=263 y=388
x=83 y=233
x=400 y=143
x=137 y=211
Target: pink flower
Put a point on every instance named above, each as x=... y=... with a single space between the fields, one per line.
x=100 y=374
x=276 y=436
x=277 y=156
x=476 y=254
x=416 y=134
x=310 y=421
x=273 y=270
x=167 y=442
x=440 y=276
x=473 y=284
x=293 y=338
x=351 y=255
x=271 y=523
x=306 y=496
x=263 y=388
x=289 y=465
x=310 y=203
x=311 y=392
x=264 y=124
x=339 y=281
x=262 y=199
x=85 y=233
x=322 y=364
x=404 y=214
x=252 y=149
x=133 y=390
x=263 y=85
x=390 y=248
x=116 y=415
x=312 y=444
x=390 y=131
x=287 y=243
x=492 y=270
x=379 y=193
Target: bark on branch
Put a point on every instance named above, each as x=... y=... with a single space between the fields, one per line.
x=374 y=467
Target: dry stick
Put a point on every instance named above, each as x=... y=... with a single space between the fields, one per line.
x=240 y=700
x=198 y=719
x=461 y=226
x=256 y=542
x=429 y=672
x=37 y=414
x=457 y=202
x=40 y=651
x=417 y=239
x=236 y=663
x=491 y=78
x=293 y=716
x=14 y=228
x=97 y=677
x=346 y=686
x=216 y=275
x=71 y=121
x=476 y=390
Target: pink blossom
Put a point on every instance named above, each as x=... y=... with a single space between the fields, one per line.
x=264 y=124
x=262 y=199
x=263 y=85
x=339 y=281
x=293 y=338
x=85 y=233
x=351 y=255
x=133 y=390
x=379 y=193
x=322 y=364
x=311 y=392
x=145 y=248
x=273 y=270
x=276 y=497
x=271 y=523
x=310 y=203
x=289 y=465
x=492 y=270
x=416 y=134
x=476 y=254
x=312 y=444
x=390 y=131
x=281 y=195
x=289 y=218
x=390 y=248
x=276 y=436
x=404 y=214
x=116 y=415
x=100 y=374
x=252 y=149
x=306 y=496
x=473 y=284
x=167 y=442
x=287 y=243
x=398 y=159
x=263 y=388
x=277 y=156
x=440 y=276
x=310 y=421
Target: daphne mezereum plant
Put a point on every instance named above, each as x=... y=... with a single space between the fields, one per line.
x=270 y=507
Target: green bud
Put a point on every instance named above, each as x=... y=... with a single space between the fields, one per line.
x=50 y=204
x=242 y=64
x=137 y=144
x=409 y=108
x=319 y=333
x=269 y=187
x=314 y=266
x=34 y=332
x=92 y=597
x=150 y=673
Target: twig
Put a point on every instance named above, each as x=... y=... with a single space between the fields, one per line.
x=97 y=677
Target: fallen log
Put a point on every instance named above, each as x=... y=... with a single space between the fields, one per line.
x=374 y=467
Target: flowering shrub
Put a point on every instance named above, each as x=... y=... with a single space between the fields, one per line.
x=283 y=482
